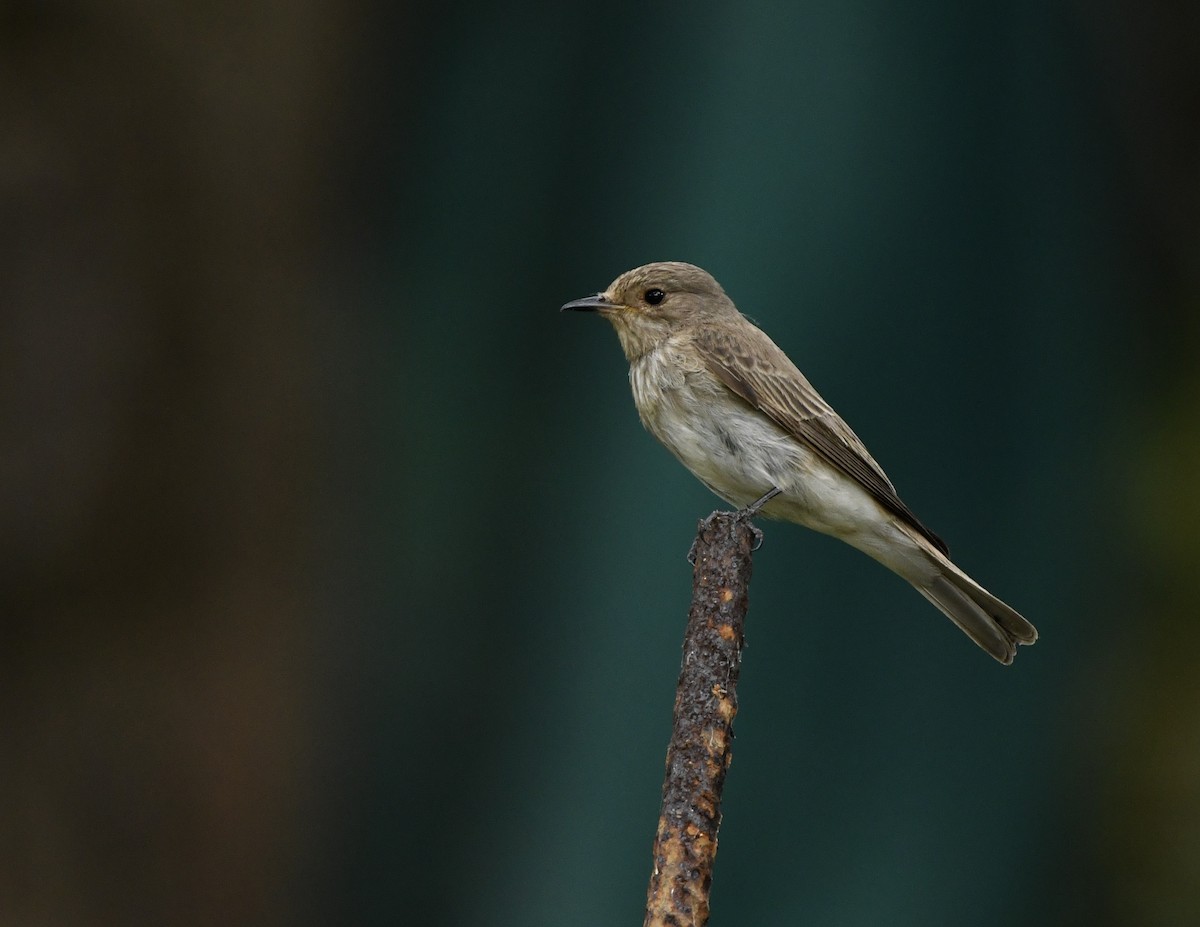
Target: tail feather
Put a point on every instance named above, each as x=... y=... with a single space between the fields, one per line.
x=990 y=623
x=971 y=617
x=1014 y=625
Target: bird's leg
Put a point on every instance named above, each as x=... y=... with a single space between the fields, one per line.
x=744 y=514
x=754 y=507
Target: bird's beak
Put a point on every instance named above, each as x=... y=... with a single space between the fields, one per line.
x=597 y=303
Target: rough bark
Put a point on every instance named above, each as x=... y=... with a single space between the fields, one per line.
x=702 y=737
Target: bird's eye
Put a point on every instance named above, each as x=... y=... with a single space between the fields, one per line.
x=654 y=296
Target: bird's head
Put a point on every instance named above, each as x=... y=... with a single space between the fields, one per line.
x=651 y=302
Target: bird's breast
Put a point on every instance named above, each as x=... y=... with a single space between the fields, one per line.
x=654 y=378
x=730 y=447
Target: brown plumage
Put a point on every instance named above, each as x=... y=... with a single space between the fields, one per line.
x=726 y=400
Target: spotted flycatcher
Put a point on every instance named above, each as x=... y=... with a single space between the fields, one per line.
x=725 y=400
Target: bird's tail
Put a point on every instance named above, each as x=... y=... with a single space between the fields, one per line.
x=990 y=623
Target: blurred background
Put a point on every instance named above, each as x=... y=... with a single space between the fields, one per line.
x=339 y=582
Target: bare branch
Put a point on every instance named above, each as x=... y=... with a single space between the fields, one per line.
x=702 y=738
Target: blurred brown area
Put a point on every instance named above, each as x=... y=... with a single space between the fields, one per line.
x=160 y=183
x=1147 y=736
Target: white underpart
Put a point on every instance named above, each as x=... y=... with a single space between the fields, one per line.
x=740 y=454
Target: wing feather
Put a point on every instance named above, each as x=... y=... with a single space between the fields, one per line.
x=758 y=371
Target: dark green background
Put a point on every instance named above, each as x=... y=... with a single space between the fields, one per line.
x=343 y=585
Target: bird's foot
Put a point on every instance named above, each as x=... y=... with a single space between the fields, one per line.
x=746 y=514
x=750 y=511
x=756 y=506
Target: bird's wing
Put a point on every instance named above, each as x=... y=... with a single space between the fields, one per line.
x=759 y=372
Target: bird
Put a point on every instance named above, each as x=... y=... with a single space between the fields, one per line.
x=722 y=397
